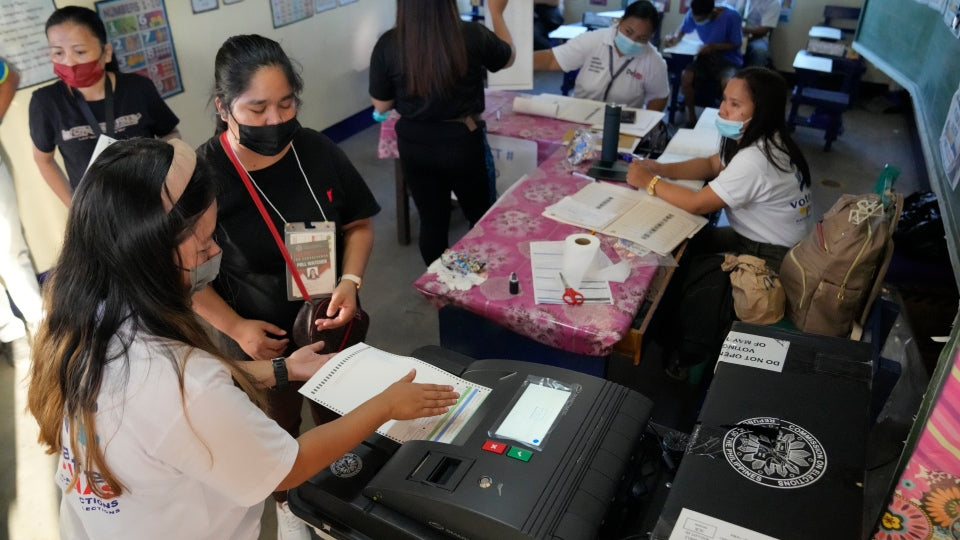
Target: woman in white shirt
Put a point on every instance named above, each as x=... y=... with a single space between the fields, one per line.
x=762 y=182
x=158 y=434
x=617 y=64
x=759 y=177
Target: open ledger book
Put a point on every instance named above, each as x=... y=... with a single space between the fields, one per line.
x=627 y=213
x=360 y=372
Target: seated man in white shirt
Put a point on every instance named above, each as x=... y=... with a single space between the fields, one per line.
x=759 y=19
x=617 y=64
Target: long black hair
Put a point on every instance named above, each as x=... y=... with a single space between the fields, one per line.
x=238 y=59
x=87 y=18
x=433 y=53
x=768 y=91
x=119 y=267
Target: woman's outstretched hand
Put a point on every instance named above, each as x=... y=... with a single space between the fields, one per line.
x=406 y=399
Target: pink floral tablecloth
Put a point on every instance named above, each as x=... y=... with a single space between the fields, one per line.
x=502 y=238
x=546 y=132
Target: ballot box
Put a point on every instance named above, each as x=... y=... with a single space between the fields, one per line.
x=778 y=448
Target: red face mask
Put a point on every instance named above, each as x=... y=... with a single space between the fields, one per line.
x=79 y=75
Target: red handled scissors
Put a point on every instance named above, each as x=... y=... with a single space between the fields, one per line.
x=570 y=296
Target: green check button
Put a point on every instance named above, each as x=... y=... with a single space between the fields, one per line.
x=519 y=453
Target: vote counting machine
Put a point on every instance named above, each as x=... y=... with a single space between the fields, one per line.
x=561 y=485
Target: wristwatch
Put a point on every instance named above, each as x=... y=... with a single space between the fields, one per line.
x=357 y=280
x=280 y=372
x=652 y=186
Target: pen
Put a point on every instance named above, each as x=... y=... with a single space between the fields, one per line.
x=595 y=111
x=581 y=175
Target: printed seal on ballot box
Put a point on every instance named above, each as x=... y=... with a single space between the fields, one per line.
x=775 y=453
x=347 y=466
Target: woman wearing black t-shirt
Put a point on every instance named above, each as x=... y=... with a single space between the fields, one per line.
x=301 y=177
x=91 y=97
x=430 y=68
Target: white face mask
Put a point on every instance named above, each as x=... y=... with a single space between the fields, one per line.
x=204 y=273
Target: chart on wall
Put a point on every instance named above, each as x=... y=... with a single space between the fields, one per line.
x=142 y=43
x=290 y=11
x=23 y=43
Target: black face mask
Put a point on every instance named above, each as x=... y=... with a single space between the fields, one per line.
x=268 y=140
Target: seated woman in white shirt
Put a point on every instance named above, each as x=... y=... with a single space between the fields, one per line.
x=617 y=64
x=762 y=182
x=759 y=177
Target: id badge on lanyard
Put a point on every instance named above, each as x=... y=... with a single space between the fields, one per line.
x=313 y=248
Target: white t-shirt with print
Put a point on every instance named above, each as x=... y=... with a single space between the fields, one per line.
x=764 y=203
x=199 y=475
x=643 y=79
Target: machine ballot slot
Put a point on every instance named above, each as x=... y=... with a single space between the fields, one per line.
x=441 y=470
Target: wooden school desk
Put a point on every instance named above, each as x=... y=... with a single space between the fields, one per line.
x=546 y=132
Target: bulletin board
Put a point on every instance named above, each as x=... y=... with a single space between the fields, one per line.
x=139 y=31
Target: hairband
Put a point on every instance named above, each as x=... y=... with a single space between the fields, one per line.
x=181 y=169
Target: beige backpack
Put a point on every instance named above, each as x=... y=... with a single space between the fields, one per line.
x=757 y=295
x=831 y=276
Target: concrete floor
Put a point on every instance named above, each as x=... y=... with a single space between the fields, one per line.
x=402 y=320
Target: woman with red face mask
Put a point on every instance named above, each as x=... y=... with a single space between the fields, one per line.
x=91 y=98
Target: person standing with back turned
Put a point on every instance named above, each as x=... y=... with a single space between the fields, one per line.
x=431 y=67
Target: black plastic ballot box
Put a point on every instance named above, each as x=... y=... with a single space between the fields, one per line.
x=779 y=447
x=481 y=486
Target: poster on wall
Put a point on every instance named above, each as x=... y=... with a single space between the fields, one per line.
x=23 y=43
x=199 y=6
x=290 y=11
x=324 y=5
x=786 y=10
x=140 y=34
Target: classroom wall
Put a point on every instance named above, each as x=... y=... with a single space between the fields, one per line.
x=333 y=48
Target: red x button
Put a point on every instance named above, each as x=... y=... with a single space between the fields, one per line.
x=495 y=447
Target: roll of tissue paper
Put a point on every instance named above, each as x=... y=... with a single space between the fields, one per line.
x=580 y=253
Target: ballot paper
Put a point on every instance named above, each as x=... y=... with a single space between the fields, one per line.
x=689 y=45
x=546 y=261
x=360 y=372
